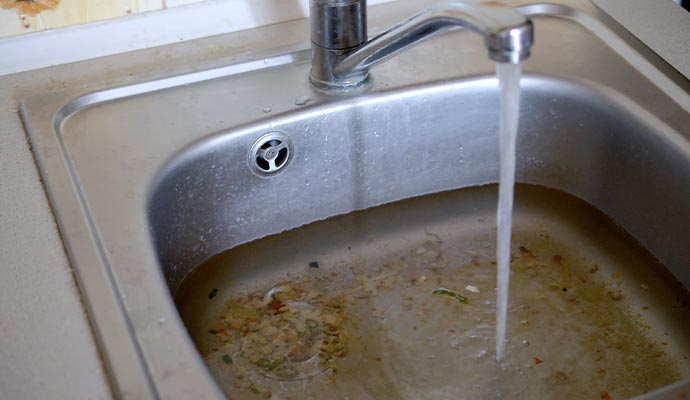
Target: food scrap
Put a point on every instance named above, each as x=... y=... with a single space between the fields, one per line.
x=538 y=360
x=525 y=252
x=213 y=293
x=561 y=376
x=472 y=289
x=313 y=265
x=605 y=395
x=262 y=392
x=616 y=295
x=452 y=294
x=289 y=333
x=226 y=359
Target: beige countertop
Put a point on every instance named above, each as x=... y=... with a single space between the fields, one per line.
x=46 y=345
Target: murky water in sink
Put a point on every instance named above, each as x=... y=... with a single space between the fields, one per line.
x=509 y=87
x=591 y=313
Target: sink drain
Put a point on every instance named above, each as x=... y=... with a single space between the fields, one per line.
x=270 y=153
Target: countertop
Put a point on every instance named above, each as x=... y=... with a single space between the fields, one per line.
x=46 y=345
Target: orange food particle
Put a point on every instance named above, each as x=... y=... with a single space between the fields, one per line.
x=605 y=395
x=30 y=8
x=538 y=360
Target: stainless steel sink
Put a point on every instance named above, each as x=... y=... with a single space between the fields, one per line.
x=149 y=180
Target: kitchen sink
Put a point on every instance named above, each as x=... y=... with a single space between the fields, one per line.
x=150 y=180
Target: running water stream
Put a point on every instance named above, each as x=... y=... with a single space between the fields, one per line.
x=509 y=87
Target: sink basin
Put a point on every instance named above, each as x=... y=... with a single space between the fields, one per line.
x=150 y=180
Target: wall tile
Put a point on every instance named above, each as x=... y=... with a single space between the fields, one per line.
x=73 y=12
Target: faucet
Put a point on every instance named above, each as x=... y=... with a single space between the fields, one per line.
x=342 y=55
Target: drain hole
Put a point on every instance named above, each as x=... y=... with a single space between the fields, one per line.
x=270 y=153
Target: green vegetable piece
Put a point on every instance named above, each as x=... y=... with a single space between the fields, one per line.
x=275 y=364
x=226 y=359
x=213 y=293
x=269 y=364
x=263 y=362
x=452 y=294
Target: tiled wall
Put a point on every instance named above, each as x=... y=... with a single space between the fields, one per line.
x=72 y=12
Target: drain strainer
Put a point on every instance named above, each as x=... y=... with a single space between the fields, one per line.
x=270 y=153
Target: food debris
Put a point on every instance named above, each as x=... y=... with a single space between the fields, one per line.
x=472 y=289
x=525 y=252
x=616 y=294
x=433 y=235
x=605 y=395
x=452 y=294
x=263 y=392
x=644 y=287
x=213 y=293
x=260 y=332
x=287 y=333
x=594 y=269
x=561 y=376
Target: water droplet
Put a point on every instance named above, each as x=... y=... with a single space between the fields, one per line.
x=266 y=110
x=302 y=100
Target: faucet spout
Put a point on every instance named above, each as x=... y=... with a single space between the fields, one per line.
x=507 y=33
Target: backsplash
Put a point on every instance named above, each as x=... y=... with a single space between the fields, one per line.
x=16 y=15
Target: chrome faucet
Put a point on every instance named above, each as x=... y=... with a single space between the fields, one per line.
x=342 y=55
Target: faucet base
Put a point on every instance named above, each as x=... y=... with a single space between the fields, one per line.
x=323 y=76
x=332 y=87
